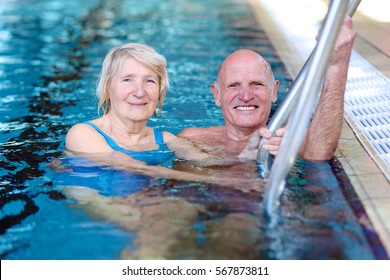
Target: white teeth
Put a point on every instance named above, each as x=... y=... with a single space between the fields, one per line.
x=245 y=108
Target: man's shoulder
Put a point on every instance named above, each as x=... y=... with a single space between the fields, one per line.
x=198 y=131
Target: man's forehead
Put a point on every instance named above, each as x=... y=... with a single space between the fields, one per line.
x=244 y=63
x=254 y=71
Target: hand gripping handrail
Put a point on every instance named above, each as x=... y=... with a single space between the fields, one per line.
x=283 y=111
x=303 y=107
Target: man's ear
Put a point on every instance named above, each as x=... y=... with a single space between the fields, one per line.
x=216 y=94
x=275 y=93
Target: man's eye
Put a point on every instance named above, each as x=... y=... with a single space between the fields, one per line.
x=258 y=84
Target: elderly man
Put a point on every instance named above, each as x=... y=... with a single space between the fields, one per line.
x=245 y=90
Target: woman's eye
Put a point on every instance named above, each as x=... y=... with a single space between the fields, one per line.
x=151 y=81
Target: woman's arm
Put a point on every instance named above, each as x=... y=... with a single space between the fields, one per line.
x=122 y=161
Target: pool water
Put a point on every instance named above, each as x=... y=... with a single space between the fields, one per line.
x=50 y=58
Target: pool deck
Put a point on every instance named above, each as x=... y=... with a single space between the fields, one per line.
x=291 y=32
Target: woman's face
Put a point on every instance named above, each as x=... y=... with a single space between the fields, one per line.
x=134 y=91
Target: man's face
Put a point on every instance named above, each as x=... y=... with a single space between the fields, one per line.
x=246 y=91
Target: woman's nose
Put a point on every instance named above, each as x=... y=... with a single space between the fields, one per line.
x=138 y=89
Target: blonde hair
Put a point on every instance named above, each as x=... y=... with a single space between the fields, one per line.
x=113 y=62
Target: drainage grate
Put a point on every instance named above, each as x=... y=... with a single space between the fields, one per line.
x=367 y=106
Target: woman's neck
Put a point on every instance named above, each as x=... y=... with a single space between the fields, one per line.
x=133 y=131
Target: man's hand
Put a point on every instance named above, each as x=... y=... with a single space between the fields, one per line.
x=270 y=143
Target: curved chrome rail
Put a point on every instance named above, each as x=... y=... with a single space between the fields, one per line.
x=303 y=107
x=283 y=111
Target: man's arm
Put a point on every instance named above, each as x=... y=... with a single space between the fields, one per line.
x=325 y=129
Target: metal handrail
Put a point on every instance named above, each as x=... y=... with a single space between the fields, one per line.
x=283 y=111
x=302 y=111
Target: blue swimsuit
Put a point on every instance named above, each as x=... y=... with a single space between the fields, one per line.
x=110 y=181
x=151 y=157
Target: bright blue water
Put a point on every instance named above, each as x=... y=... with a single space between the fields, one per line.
x=50 y=57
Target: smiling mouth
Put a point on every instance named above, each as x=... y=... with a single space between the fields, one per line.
x=246 y=108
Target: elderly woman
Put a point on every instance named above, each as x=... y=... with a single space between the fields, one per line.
x=132 y=87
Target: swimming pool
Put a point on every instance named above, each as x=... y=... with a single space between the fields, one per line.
x=50 y=57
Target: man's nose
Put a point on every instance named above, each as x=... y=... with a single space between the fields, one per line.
x=245 y=93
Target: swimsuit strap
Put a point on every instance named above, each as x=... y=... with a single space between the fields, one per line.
x=157 y=136
x=108 y=139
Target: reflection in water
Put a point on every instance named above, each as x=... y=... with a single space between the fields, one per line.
x=50 y=55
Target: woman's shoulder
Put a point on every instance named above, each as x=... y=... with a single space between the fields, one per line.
x=77 y=129
x=81 y=129
x=83 y=137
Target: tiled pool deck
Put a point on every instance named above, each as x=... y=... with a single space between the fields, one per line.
x=292 y=30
